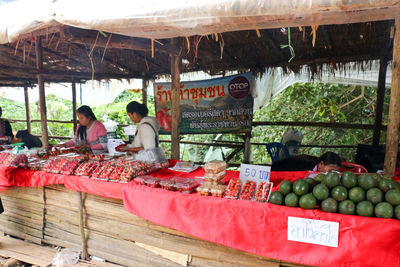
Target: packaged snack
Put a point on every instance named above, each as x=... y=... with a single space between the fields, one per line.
x=215 y=166
x=248 y=190
x=218 y=190
x=214 y=177
x=233 y=189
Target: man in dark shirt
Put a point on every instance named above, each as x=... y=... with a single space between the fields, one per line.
x=6 y=134
x=28 y=139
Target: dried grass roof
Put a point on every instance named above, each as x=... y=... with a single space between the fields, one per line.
x=72 y=54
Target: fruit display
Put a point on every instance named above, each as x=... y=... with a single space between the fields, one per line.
x=185 y=185
x=15 y=160
x=70 y=166
x=248 y=190
x=106 y=173
x=98 y=157
x=233 y=189
x=369 y=195
x=115 y=175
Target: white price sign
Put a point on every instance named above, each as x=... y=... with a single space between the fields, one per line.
x=318 y=232
x=255 y=173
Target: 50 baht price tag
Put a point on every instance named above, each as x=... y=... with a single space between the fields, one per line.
x=255 y=173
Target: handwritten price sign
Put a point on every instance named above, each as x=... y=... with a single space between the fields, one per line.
x=254 y=173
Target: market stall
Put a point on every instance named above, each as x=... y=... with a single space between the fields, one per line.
x=254 y=227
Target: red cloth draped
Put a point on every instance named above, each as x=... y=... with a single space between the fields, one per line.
x=261 y=228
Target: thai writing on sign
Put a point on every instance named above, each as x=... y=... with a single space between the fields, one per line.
x=317 y=232
x=208 y=106
x=254 y=173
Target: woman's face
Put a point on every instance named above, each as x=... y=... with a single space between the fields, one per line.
x=83 y=120
x=328 y=167
x=135 y=117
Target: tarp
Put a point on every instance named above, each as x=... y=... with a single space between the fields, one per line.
x=261 y=228
x=167 y=19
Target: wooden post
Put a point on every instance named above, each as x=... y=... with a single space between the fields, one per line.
x=74 y=106
x=28 y=114
x=379 y=100
x=392 y=137
x=247 y=148
x=175 y=104
x=85 y=254
x=144 y=91
x=42 y=95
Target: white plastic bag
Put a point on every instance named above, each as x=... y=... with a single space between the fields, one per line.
x=112 y=144
x=66 y=256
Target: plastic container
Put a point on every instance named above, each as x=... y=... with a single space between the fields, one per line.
x=187 y=186
x=168 y=184
x=215 y=166
x=214 y=177
x=153 y=182
x=260 y=194
x=248 y=190
x=233 y=189
x=114 y=177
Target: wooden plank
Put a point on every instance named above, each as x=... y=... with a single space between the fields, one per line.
x=82 y=225
x=392 y=137
x=28 y=114
x=56 y=236
x=175 y=103
x=74 y=119
x=11 y=225
x=179 y=258
x=203 y=262
x=26 y=252
x=29 y=193
x=10 y=262
x=95 y=263
x=42 y=94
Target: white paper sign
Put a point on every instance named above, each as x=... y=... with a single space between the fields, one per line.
x=318 y=232
x=255 y=173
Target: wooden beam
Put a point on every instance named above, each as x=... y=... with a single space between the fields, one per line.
x=383 y=62
x=74 y=106
x=85 y=254
x=175 y=103
x=392 y=136
x=27 y=111
x=316 y=124
x=247 y=148
x=42 y=94
x=144 y=91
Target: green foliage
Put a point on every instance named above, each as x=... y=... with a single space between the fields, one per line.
x=306 y=102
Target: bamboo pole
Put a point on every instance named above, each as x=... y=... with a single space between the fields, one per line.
x=392 y=137
x=85 y=254
x=74 y=106
x=379 y=101
x=28 y=114
x=42 y=95
x=247 y=148
x=144 y=91
x=175 y=104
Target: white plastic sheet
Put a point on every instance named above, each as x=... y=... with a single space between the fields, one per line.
x=172 y=18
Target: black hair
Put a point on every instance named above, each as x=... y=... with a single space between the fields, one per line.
x=134 y=106
x=330 y=158
x=22 y=134
x=88 y=113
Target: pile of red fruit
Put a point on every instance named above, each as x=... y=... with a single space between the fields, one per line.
x=248 y=190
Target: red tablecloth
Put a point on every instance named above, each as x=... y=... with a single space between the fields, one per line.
x=261 y=228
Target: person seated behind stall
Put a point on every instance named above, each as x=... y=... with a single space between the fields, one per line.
x=89 y=133
x=28 y=139
x=6 y=133
x=146 y=136
x=328 y=161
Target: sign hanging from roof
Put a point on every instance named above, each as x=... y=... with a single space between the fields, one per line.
x=219 y=105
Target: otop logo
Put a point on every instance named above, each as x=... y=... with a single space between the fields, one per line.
x=239 y=87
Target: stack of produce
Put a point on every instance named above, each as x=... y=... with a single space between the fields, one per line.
x=215 y=172
x=366 y=195
x=183 y=185
x=15 y=160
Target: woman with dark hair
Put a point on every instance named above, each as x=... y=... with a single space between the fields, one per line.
x=146 y=136
x=6 y=134
x=90 y=132
x=328 y=162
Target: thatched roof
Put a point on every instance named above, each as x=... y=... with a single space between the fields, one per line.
x=233 y=38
